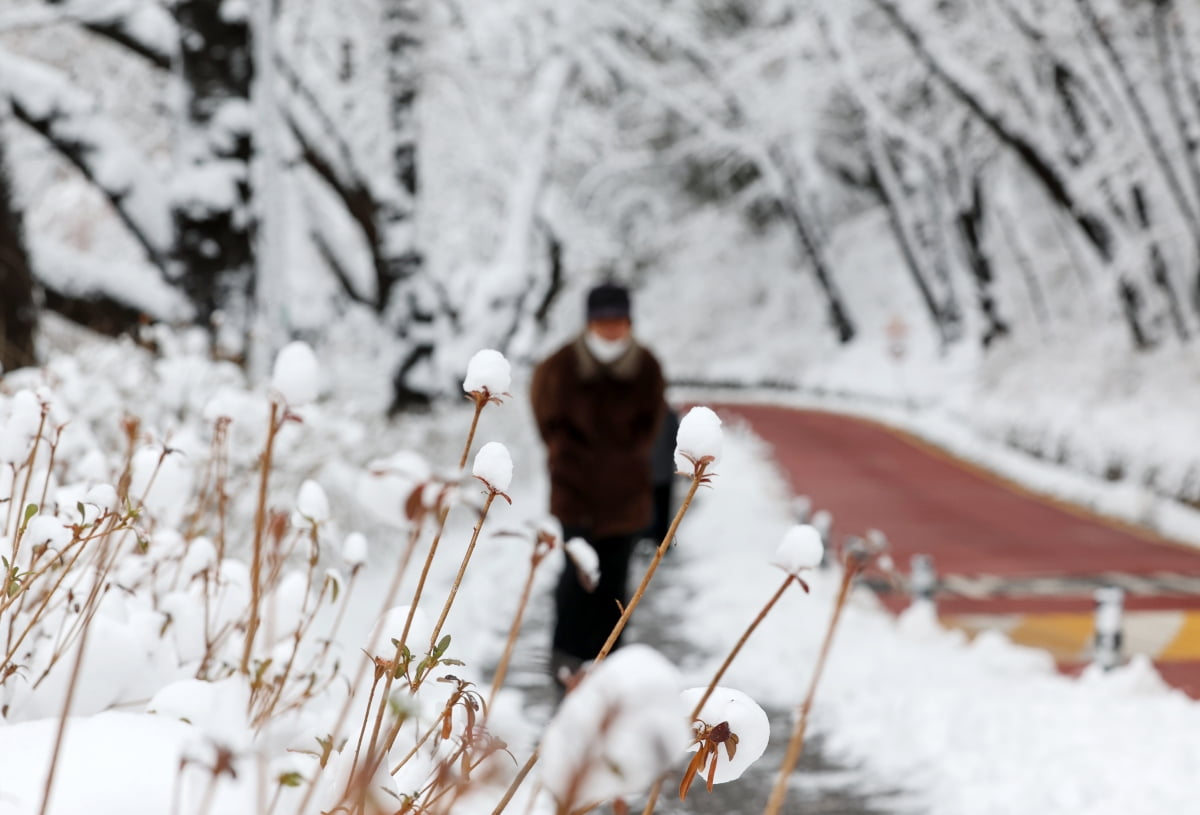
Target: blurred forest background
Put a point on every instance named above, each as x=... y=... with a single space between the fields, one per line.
x=417 y=179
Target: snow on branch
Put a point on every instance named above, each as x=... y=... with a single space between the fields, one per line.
x=80 y=276
x=974 y=91
x=146 y=28
x=69 y=119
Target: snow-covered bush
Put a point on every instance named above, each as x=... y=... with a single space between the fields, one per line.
x=179 y=588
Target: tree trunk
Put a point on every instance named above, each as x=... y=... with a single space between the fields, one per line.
x=971 y=222
x=792 y=204
x=410 y=300
x=1142 y=119
x=887 y=184
x=214 y=221
x=18 y=316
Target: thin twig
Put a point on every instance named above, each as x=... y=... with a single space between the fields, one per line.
x=796 y=743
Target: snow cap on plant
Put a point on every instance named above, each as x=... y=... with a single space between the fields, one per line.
x=312 y=505
x=617 y=732
x=698 y=440
x=801 y=549
x=103 y=497
x=586 y=562
x=730 y=733
x=354 y=550
x=493 y=466
x=47 y=530
x=489 y=375
x=18 y=431
x=296 y=375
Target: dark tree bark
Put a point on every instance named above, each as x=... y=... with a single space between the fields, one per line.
x=791 y=202
x=18 y=315
x=409 y=298
x=971 y=225
x=1132 y=304
x=1029 y=273
x=1180 y=87
x=1158 y=265
x=215 y=227
x=554 y=286
x=1142 y=118
x=884 y=180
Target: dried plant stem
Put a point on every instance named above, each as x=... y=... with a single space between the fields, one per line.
x=516 y=783
x=479 y=403
x=443 y=514
x=45 y=603
x=347 y=593
x=72 y=684
x=513 y=631
x=260 y=523
x=19 y=507
x=401 y=642
x=389 y=598
x=362 y=731
x=462 y=570
x=762 y=615
x=796 y=744
x=697 y=480
x=716 y=680
x=433 y=728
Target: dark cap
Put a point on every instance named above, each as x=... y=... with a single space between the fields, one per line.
x=608 y=301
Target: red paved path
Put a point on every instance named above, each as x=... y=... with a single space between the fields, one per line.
x=971 y=522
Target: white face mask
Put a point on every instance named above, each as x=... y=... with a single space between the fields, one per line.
x=607 y=351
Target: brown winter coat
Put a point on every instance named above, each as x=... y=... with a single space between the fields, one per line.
x=599 y=422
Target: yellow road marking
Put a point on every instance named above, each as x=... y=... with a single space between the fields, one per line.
x=1186 y=644
x=1164 y=636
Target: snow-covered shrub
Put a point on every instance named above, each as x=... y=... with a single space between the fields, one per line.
x=189 y=569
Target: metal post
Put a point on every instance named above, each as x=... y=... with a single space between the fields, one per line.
x=1107 y=641
x=822 y=521
x=922 y=578
x=802 y=508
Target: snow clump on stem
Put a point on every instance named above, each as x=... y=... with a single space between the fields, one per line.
x=731 y=730
x=617 y=732
x=312 y=505
x=801 y=548
x=698 y=440
x=296 y=374
x=493 y=466
x=354 y=550
x=488 y=373
x=586 y=562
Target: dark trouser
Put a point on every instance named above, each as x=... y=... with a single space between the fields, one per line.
x=664 y=511
x=584 y=620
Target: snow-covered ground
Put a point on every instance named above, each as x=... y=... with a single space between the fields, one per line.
x=979 y=727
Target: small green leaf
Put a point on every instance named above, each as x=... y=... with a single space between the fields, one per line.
x=441 y=647
x=292 y=779
x=457 y=662
x=30 y=511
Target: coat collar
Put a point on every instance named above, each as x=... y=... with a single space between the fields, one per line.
x=624 y=367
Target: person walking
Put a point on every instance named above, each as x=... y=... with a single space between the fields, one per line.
x=598 y=402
